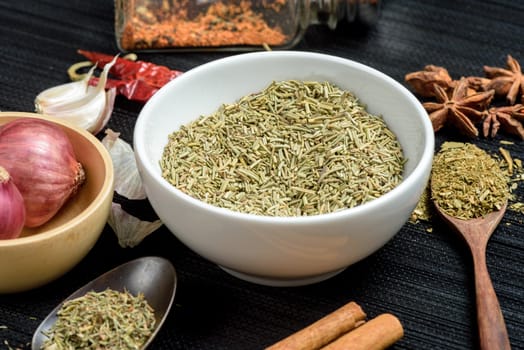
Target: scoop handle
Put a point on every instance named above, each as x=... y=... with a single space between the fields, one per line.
x=492 y=328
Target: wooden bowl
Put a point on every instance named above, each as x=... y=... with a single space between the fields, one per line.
x=41 y=255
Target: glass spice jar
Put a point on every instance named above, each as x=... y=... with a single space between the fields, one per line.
x=241 y=25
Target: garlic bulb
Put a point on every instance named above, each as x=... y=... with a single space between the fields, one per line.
x=88 y=107
x=127 y=180
x=129 y=229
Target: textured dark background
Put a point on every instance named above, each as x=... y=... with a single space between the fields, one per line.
x=424 y=278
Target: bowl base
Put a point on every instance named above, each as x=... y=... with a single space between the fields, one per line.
x=281 y=282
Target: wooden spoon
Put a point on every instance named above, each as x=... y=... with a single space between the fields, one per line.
x=476 y=232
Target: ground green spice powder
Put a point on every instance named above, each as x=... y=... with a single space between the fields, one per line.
x=296 y=148
x=466 y=182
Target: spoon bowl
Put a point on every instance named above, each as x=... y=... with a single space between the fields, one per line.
x=477 y=232
x=154 y=277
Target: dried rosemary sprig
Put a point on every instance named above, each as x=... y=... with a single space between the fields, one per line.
x=466 y=182
x=102 y=320
x=296 y=148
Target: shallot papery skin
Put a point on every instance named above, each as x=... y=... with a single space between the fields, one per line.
x=41 y=161
x=12 y=212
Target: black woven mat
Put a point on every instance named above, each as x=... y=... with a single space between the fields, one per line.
x=425 y=278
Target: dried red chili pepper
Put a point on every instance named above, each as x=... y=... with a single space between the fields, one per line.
x=136 y=90
x=136 y=80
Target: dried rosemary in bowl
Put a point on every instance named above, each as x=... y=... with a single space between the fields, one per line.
x=296 y=148
x=466 y=182
x=102 y=320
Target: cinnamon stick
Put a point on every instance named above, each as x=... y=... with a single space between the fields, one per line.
x=324 y=330
x=377 y=334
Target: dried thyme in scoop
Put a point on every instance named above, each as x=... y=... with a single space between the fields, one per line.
x=466 y=182
x=102 y=320
x=296 y=148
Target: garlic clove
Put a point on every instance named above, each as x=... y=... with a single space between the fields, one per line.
x=106 y=112
x=127 y=179
x=88 y=107
x=88 y=114
x=62 y=94
x=129 y=229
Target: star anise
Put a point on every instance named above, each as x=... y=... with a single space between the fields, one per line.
x=474 y=84
x=423 y=81
x=508 y=118
x=506 y=82
x=460 y=109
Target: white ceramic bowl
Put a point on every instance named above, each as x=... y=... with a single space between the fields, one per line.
x=282 y=251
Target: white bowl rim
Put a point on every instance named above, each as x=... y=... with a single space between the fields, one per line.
x=107 y=185
x=418 y=172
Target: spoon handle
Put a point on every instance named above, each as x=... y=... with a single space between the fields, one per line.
x=492 y=328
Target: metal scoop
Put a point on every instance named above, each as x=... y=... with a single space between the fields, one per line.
x=154 y=277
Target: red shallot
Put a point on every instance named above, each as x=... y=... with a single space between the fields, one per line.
x=12 y=214
x=41 y=161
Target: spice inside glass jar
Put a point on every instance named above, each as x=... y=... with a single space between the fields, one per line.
x=229 y=24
